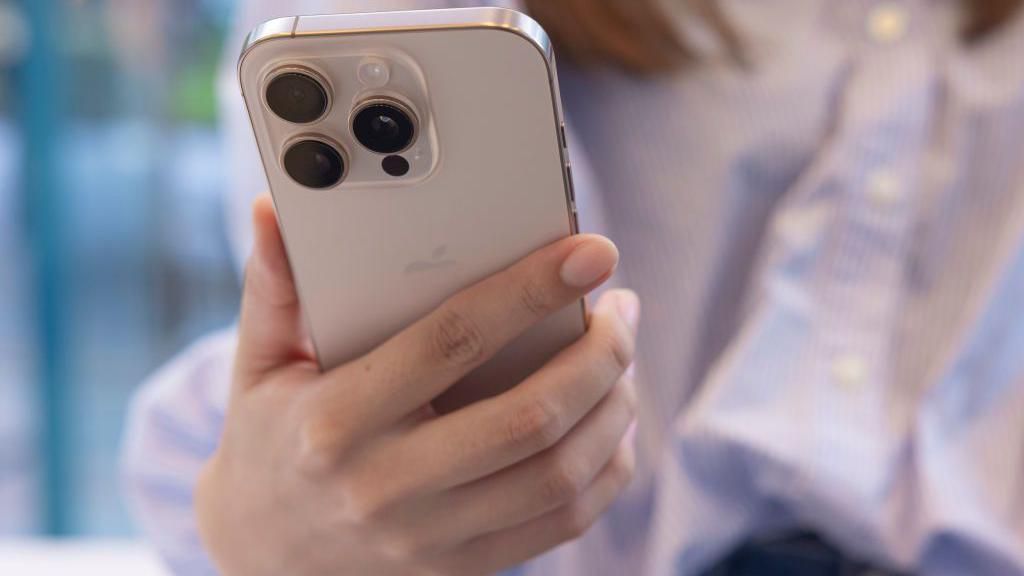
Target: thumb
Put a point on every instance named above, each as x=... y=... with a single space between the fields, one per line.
x=270 y=332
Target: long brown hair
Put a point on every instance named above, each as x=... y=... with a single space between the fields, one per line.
x=636 y=35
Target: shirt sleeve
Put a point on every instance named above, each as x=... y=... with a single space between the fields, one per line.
x=173 y=427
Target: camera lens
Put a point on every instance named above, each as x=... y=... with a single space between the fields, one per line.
x=297 y=97
x=384 y=127
x=314 y=164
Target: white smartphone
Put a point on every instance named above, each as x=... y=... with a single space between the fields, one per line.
x=410 y=155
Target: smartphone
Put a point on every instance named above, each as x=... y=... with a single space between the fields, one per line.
x=410 y=155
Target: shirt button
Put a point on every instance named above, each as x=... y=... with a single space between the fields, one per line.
x=798 y=230
x=849 y=370
x=883 y=188
x=888 y=23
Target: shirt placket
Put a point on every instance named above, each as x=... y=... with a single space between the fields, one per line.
x=859 y=279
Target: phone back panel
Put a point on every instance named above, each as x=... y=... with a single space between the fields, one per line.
x=370 y=258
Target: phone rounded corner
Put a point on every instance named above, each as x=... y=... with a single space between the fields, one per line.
x=270 y=30
x=524 y=26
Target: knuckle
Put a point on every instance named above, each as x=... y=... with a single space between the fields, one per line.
x=536 y=426
x=321 y=445
x=577 y=521
x=565 y=480
x=617 y=349
x=535 y=299
x=406 y=547
x=363 y=506
x=359 y=512
x=626 y=396
x=622 y=468
x=458 y=340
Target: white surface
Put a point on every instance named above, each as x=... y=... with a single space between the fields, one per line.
x=82 y=558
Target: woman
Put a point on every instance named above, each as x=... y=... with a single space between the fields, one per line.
x=821 y=206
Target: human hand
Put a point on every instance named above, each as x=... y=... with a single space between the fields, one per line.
x=352 y=472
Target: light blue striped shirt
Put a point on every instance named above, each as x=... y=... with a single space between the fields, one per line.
x=830 y=251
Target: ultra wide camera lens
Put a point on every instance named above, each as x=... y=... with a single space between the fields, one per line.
x=384 y=127
x=297 y=97
x=314 y=164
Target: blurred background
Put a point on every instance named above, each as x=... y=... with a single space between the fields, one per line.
x=113 y=254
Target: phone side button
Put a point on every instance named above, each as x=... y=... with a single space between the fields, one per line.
x=572 y=185
x=575 y=220
x=561 y=134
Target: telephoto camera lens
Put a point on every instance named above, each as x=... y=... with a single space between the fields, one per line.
x=384 y=127
x=296 y=97
x=314 y=164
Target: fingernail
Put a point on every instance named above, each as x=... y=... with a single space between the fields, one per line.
x=629 y=309
x=589 y=262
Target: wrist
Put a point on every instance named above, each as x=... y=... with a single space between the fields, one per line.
x=217 y=526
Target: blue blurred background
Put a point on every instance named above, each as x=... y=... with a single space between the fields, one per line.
x=113 y=253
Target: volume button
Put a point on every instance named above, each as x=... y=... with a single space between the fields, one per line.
x=572 y=185
x=561 y=135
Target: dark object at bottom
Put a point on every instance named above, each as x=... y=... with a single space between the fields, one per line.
x=798 y=554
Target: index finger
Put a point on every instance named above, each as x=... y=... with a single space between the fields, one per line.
x=420 y=363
